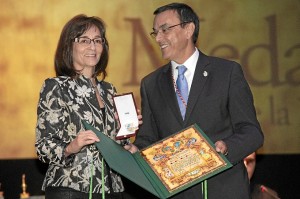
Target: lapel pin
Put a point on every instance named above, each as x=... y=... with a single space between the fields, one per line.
x=205 y=73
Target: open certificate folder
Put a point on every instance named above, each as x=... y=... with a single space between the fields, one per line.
x=168 y=166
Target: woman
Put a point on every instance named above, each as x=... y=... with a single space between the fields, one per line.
x=75 y=165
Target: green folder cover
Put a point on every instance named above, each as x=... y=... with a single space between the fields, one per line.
x=137 y=167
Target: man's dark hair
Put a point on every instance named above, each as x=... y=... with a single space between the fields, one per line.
x=185 y=13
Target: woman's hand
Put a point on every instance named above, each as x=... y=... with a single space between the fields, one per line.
x=83 y=138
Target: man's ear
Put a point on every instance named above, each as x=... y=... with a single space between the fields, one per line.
x=190 y=28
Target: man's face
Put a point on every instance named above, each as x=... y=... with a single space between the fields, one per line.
x=174 y=42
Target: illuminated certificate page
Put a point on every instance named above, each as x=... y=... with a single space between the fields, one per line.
x=183 y=158
x=127 y=113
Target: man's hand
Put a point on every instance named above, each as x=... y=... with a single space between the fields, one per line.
x=131 y=148
x=221 y=147
x=140 y=117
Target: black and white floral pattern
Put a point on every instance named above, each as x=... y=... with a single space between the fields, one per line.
x=64 y=102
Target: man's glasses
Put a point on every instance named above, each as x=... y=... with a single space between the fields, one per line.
x=85 y=41
x=165 y=29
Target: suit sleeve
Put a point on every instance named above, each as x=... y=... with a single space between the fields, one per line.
x=147 y=133
x=247 y=135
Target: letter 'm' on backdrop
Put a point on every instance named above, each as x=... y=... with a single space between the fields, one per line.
x=261 y=35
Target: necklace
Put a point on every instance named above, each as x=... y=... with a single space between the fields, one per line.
x=99 y=98
x=93 y=82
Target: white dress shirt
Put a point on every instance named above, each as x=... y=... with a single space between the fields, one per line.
x=190 y=64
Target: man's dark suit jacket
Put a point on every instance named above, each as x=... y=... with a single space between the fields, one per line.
x=221 y=103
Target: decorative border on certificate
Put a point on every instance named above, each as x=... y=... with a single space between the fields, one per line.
x=183 y=158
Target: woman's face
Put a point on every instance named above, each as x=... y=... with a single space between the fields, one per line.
x=86 y=55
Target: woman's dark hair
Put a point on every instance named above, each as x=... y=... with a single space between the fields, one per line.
x=74 y=28
x=185 y=13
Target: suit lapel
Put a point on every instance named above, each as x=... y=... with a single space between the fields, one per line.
x=167 y=91
x=198 y=83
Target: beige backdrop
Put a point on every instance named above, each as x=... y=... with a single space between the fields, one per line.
x=262 y=35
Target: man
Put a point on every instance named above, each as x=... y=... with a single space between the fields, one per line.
x=219 y=101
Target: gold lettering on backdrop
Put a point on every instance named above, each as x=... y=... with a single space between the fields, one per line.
x=291 y=75
x=275 y=114
x=231 y=52
x=272 y=49
x=138 y=30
